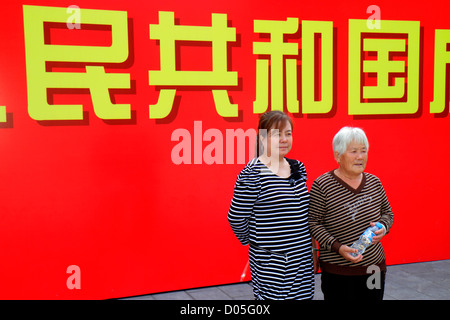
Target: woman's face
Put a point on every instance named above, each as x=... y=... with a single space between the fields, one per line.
x=353 y=161
x=278 y=142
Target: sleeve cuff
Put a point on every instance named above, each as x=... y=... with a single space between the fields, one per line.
x=335 y=246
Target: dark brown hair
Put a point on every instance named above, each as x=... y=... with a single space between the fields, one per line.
x=270 y=120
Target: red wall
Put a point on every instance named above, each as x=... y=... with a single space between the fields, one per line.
x=106 y=196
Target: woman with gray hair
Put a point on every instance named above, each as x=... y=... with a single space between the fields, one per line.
x=343 y=203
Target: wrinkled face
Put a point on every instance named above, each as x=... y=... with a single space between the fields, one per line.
x=278 y=142
x=353 y=161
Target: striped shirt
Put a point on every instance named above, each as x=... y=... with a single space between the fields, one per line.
x=271 y=214
x=339 y=214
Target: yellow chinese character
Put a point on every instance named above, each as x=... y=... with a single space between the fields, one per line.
x=219 y=34
x=401 y=97
x=277 y=49
x=441 y=61
x=38 y=53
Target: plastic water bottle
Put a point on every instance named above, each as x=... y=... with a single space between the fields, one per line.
x=365 y=240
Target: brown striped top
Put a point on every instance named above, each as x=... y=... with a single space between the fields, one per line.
x=339 y=214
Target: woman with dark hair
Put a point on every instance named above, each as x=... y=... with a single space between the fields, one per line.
x=269 y=211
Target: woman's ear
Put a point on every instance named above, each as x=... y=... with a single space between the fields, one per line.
x=259 y=145
x=337 y=157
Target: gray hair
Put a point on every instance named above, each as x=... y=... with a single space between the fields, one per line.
x=345 y=136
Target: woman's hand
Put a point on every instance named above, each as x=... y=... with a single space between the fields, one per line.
x=345 y=251
x=378 y=234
